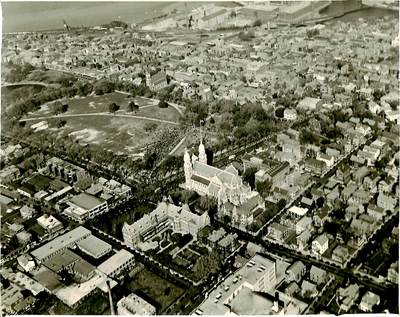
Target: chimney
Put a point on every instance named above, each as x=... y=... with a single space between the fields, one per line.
x=110 y=298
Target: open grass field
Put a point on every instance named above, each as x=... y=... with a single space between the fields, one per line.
x=159 y=290
x=115 y=133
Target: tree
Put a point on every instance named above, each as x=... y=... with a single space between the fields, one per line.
x=207 y=203
x=279 y=112
x=257 y=23
x=263 y=188
x=113 y=107
x=281 y=204
x=206 y=265
x=249 y=176
x=132 y=106
x=59 y=107
x=150 y=126
x=84 y=182
x=163 y=104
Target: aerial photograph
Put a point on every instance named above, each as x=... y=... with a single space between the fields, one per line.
x=200 y=158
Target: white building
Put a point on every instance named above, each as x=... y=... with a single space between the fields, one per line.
x=290 y=114
x=84 y=206
x=26 y=262
x=135 y=305
x=320 y=245
x=181 y=219
x=225 y=185
x=49 y=223
x=116 y=264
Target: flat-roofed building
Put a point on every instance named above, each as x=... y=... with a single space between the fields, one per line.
x=62 y=260
x=116 y=264
x=60 y=243
x=134 y=305
x=94 y=246
x=84 y=206
x=249 y=291
x=50 y=223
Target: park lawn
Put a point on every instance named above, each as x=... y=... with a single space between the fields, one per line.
x=169 y=114
x=97 y=104
x=158 y=289
x=124 y=135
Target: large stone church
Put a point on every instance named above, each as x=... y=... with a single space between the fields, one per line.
x=224 y=184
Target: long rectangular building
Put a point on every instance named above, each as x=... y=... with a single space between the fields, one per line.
x=60 y=243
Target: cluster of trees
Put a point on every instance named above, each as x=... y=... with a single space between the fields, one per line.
x=264 y=188
x=17 y=110
x=15 y=72
x=312 y=32
x=247 y=36
x=59 y=107
x=308 y=137
x=206 y=265
x=102 y=87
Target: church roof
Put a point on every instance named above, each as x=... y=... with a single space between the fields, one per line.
x=227 y=176
x=200 y=179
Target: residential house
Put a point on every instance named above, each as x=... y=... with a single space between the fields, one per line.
x=393 y=272
x=303 y=224
x=317 y=275
x=227 y=244
x=303 y=239
x=308 y=289
x=376 y=212
x=320 y=245
x=295 y=272
x=386 y=202
x=340 y=254
x=351 y=212
x=314 y=166
x=278 y=231
x=368 y=301
x=9 y=174
x=360 y=197
x=321 y=216
x=348 y=296
x=327 y=159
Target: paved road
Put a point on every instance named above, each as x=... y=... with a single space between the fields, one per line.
x=25 y=83
x=96 y=114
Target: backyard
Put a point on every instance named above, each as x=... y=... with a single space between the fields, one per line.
x=154 y=289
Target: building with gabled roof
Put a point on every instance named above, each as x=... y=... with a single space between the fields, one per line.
x=180 y=218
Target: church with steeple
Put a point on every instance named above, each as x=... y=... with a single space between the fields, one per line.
x=224 y=184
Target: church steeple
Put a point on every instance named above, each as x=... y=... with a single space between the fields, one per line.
x=202 y=150
x=187 y=165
